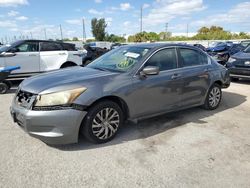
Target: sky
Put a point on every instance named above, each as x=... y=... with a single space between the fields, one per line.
x=30 y=18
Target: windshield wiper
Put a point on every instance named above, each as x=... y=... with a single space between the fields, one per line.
x=99 y=68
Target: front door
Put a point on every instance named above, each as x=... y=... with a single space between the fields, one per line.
x=158 y=93
x=26 y=56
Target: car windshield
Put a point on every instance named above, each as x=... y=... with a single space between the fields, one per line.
x=247 y=50
x=121 y=59
x=217 y=44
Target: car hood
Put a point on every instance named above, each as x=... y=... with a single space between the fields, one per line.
x=241 y=55
x=64 y=79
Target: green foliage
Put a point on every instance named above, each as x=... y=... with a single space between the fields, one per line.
x=114 y=38
x=75 y=39
x=98 y=28
x=204 y=33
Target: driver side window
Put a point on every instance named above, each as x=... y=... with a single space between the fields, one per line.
x=28 y=47
x=164 y=59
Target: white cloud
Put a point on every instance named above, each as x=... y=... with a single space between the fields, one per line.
x=109 y=21
x=94 y=11
x=22 y=18
x=8 y=24
x=126 y=23
x=240 y=14
x=13 y=13
x=74 y=21
x=145 y=5
x=98 y=1
x=125 y=6
x=12 y=3
x=166 y=10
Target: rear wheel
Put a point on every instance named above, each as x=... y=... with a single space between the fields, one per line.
x=3 y=88
x=102 y=122
x=213 y=97
x=68 y=64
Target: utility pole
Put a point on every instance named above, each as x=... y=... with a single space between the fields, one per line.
x=61 y=32
x=166 y=30
x=45 y=34
x=187 y=29
x=31 y=35
x=83 y=31
x=141 y=20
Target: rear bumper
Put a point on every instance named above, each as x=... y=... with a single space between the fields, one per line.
x=52 y=127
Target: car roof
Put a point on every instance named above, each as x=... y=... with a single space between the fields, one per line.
x=160 y=45
x=34 y=40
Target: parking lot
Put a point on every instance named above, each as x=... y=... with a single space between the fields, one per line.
x=191 y=148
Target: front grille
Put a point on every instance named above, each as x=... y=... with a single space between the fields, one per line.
x=25 y=99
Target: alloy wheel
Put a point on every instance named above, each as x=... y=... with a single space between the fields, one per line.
x=214 y=97
x=105 y=123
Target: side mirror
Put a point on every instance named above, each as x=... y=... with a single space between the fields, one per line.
x=150 y=70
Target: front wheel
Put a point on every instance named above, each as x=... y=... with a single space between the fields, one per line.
x=102 y=122
x=213 y=98
x=3 y=88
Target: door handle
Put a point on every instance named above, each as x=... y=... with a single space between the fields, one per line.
x=62 y=53
x=175 y=76
x=32 y=55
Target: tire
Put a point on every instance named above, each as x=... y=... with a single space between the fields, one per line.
x=96 y=128
x=234 y=79
x=3 y=88
x=213 y=97
x=66 y=65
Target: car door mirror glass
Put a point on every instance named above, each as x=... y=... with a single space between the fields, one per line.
x=150 y=70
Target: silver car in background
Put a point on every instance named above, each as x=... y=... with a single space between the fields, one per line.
x=131 y=82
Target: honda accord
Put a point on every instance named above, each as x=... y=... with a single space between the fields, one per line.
x=131 y=82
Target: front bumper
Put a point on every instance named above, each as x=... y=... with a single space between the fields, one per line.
x=236 y=72
x=52 y=127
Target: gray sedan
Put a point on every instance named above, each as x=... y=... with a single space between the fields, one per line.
x=131 y=82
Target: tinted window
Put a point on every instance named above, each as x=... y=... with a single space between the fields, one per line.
x=189 y=57
x=164 y=59
x=50 y=46
x=27 y=47
x=68 y=47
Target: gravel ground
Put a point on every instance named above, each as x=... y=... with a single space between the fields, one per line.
x=191 y=148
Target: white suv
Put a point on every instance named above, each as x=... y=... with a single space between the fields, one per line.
x=36 y=56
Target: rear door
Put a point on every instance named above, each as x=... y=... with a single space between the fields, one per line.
x=195 y=67
x=52 y=55
x=26 y=56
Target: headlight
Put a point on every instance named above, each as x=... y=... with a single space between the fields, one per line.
x=59 y=98
x=230 y=60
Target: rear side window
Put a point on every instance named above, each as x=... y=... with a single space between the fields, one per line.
x=28 y=47
x=68 y=47
x=50 y=46
x=189 y=57
x=164 y=59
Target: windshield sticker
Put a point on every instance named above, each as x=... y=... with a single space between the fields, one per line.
x=132 y=54
x=125 y=64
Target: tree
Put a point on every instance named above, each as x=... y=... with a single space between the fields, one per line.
x=98 y=28
x=75 y=39
x=114 y=38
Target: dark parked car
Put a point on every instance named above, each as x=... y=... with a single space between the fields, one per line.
x=92 y=54
x=239 y=64
x=222 y=51
x=203 y=48
x=131 y=82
